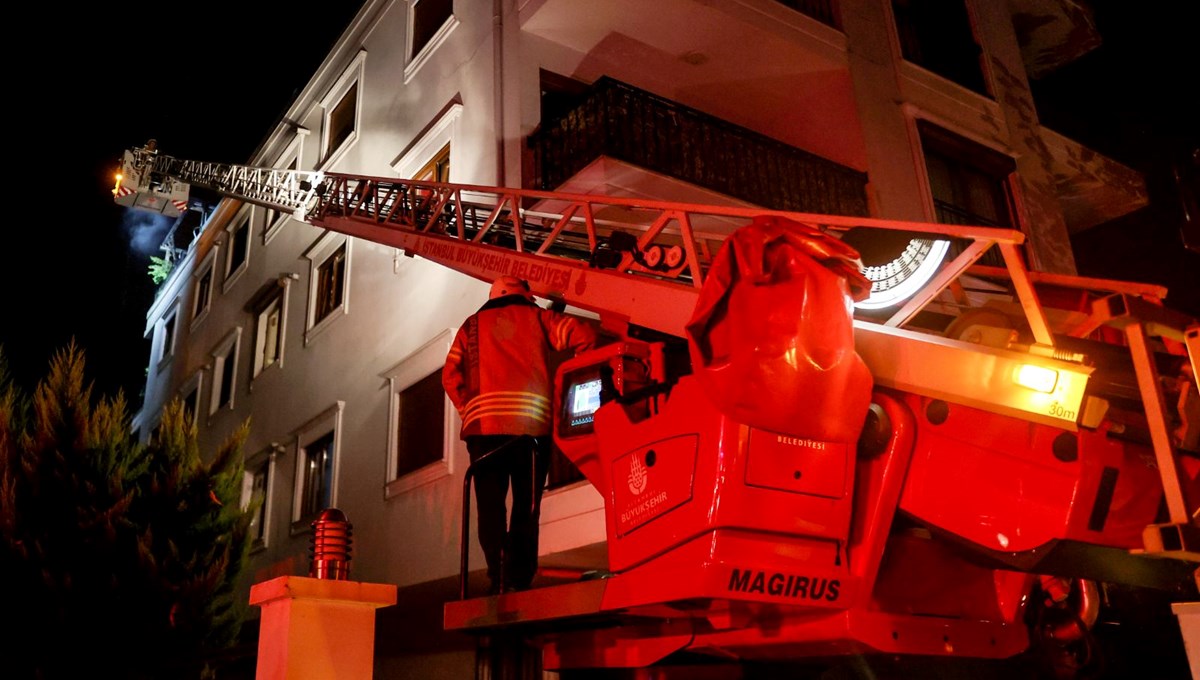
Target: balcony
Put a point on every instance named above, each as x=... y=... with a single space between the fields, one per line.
x=617 y=121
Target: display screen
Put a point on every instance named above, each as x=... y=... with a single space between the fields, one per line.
x=581 y=398
x=585 y=398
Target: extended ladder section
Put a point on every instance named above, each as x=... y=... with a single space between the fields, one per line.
x=642 y=263
x=148 y=178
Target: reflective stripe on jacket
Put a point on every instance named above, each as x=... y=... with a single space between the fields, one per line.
x=496 y=372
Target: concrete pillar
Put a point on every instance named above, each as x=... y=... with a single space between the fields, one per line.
x=317 y=629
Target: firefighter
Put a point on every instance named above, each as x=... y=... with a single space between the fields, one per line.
x=498 y=377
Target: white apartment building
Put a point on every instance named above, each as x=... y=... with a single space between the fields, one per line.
x=332 y=346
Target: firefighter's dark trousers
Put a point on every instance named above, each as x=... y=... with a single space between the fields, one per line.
x=511 y=549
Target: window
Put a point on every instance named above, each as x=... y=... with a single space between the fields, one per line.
x=428 y=16
x=330 y=279
x=437 y=169
x=341 y=105
x=269 y=308
x=316 y=467
x=267 y=345
x=190 y=401
x=257 y=483
x=224 y=367
x=329 y=282
x=166 y=335
x=430 y=22
x=429 y=156
x=341 y=118
x=191 y=395
x=239 y=247
x=202 y=288
x=968 y=182
x=937 y=36
x=421 y=421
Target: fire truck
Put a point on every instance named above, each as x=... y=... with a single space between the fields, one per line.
x=790 y=467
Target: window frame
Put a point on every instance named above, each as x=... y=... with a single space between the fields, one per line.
x=206 y=268
x=415 y=59
x=927 y=64
x=317 y=254
x=352 y=77
x=239 y=228
x=223 y=354
x=410 y=370
x=328 y=421
x=193 y=385
x=275 y=293
x=440 y=134
x=166 y=333
x=267 y=460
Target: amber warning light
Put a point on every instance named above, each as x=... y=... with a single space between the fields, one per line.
x=1037 y=378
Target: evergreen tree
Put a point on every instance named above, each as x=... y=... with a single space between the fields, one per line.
x=121 y=558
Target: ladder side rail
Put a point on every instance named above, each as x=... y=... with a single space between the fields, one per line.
x=1143 y=290
x=1156 y=419
x=506 y=204
x=835 y=222
x=1140 y=320
x=605 y=290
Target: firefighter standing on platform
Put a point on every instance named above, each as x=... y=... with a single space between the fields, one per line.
x=497 y=376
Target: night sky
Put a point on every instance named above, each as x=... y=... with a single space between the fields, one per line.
x=208 y=80
x=96 y=79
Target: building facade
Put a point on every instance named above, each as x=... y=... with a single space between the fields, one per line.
x=332 y=346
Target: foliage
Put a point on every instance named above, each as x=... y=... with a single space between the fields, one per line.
x=160 y=269
x=121 y=558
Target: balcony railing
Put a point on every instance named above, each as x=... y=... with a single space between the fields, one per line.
x=631 y=125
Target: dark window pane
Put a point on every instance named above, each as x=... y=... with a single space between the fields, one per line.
x=421 y=424
x=318 y=476
x=428 y=17
x=329 y=284
x=241 y=239
x=341 y=119
x=227 y=378
x=937 y=36
x=258 y=492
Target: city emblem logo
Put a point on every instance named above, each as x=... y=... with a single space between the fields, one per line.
x=637 y=476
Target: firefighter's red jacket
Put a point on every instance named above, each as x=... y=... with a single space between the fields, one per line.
x=496 y=372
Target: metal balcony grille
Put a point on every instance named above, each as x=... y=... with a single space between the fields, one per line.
x=631 y=125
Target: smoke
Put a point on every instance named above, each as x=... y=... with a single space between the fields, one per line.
x=146 y=231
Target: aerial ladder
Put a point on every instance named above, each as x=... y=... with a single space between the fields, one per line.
x=786 y=476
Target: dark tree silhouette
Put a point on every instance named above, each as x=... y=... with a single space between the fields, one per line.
x=121 y=558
